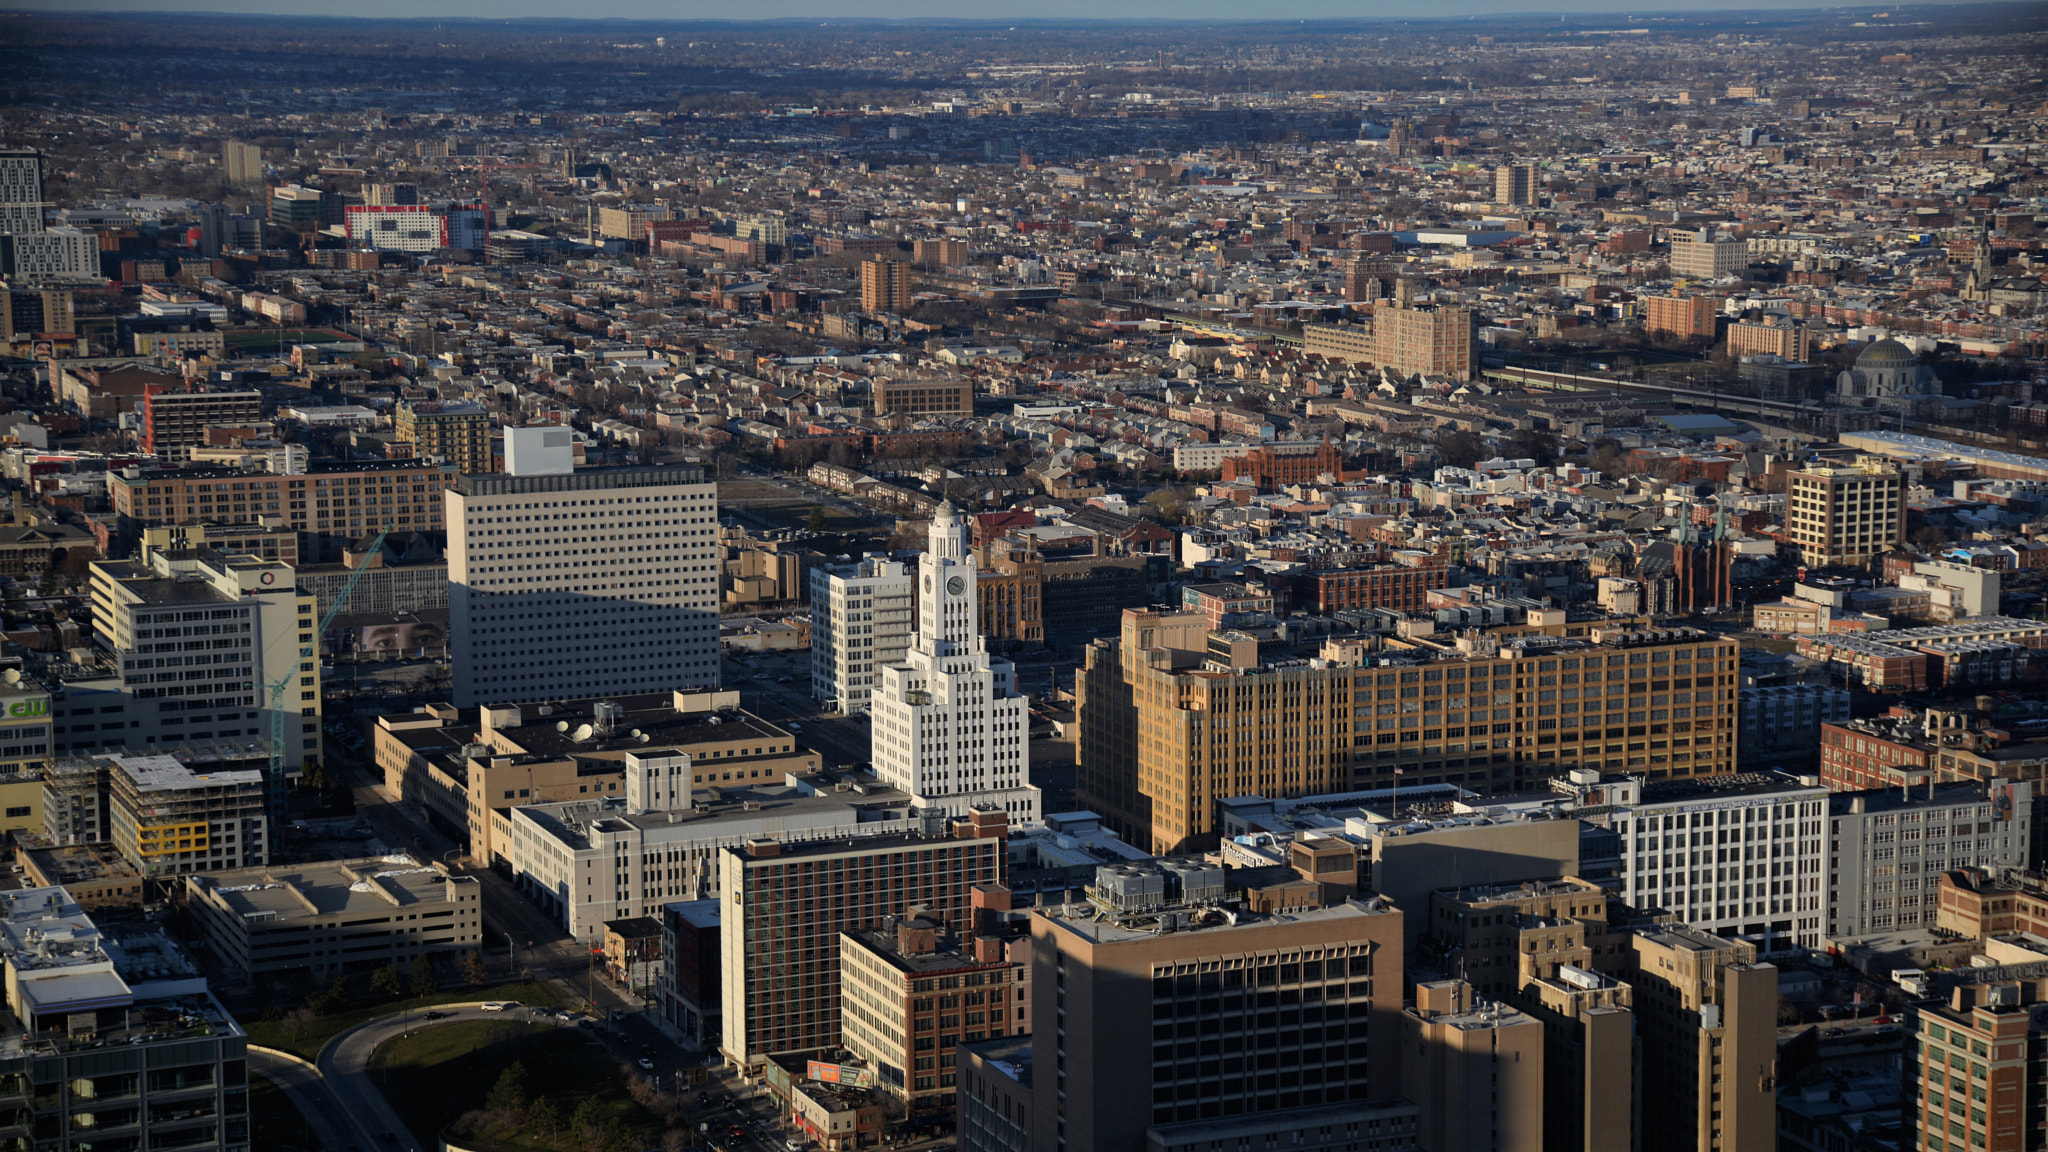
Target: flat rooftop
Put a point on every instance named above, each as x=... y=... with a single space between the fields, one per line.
x=1722 y=787
x=375 y=884
x=724 y=813
x=1104 y=928
x=167 y=774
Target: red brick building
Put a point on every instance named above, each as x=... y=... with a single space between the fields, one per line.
x=1278 y=465
x=1857 y=755
x=1400 y=587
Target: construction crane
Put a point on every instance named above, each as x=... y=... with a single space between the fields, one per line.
x=278 y=687
x=484 y=164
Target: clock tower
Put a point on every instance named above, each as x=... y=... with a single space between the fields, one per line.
x=948 y=725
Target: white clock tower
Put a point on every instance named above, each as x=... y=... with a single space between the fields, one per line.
x=949 y=727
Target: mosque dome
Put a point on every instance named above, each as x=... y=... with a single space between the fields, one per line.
x=1886 y=353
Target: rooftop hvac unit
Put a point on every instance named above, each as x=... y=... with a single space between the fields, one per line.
x=607 y=715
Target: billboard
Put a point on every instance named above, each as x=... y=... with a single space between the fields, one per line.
x=841 y=1074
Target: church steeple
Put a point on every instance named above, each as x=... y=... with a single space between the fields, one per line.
x=1980 y=268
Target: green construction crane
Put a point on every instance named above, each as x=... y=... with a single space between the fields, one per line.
x=279 y=686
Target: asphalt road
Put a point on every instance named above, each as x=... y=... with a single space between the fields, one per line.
x=309 y=1093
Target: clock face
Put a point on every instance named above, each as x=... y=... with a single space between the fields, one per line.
x=955 y=585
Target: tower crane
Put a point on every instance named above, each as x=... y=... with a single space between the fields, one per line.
x=274 y=696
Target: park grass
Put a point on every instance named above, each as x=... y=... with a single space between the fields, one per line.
x=276 y=1121
x=307 y=1042
x=434 y=1075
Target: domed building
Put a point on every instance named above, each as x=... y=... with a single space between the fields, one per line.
x=1887 y=374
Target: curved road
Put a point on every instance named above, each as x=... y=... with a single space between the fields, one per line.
x=345 y=1065
x=302 y=1085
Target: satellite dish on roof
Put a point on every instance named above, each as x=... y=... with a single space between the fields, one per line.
x=12 y=676
x=582 y=733
x=561 y=725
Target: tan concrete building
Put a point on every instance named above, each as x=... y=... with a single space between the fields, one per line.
x=1700 y=256
x=1136 y=1028
x=1709 y=1019
x=1788 y=341
x=1514 y=185
x=1476 y=1070
x=1840 y=515
x=334 y=917
x=1428 y=341
x=1350 y=343
x=457 y=432
x=343 y=498
x=1171 y=722
x=629 y=221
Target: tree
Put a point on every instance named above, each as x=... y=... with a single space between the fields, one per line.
x=1538 y=444
x=1461 y=449
x=424 y=981
x=509 y=1092
x=1929 y=539
x=587 y=1123
x=332 y=998
x=816 y=520
x=387 y=982
x=544 y=1117
x=473 y=969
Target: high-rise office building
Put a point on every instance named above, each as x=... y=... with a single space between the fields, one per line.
x=31 y=253
x=457 y=431
x=199 y=638
x=1171 y=1013
x=1985 y=825
x=1686 y=317
x=862 y=618
x=1428 y=341
x=1839 y=515
x=949 y=725
x=242 y=164
x=569 y=585
x=884 y=286
x=1514 y=185
x=782 y=907
x=1708 y=1015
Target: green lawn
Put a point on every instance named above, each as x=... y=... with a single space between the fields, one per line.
x=276 y=1121
x=307 y=1042
x=434 y=1075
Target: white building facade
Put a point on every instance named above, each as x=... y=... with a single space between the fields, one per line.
x=949 y=726
x=1887 y=848
x=1740 y=855
x=573 y=585
x=862 y=618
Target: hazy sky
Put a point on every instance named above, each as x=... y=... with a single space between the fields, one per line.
x=917 y=9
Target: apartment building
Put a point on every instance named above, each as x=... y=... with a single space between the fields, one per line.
x=347 y=499
x=1169 y=726
x=1349 y=343
x=1973 y=1076
x=628 y=221
x=175 y=420
x=242 y=164
x=1785 y=341
x=1402 y=586
x=145 y=1051
x=884 y=285
x=1116 y=1068
x=1781 y=723
x=1848 y=516
x=457 y=432
x=1683 y=317
x=1434 y=340
x=1701 y=256
x=904 y=985
x=568 y=584
x=168 y=819
x=924 y=397
x=782 y=907
x=334 y=917
x=862 y=618
x=1888 y=847
x=1514 y=185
